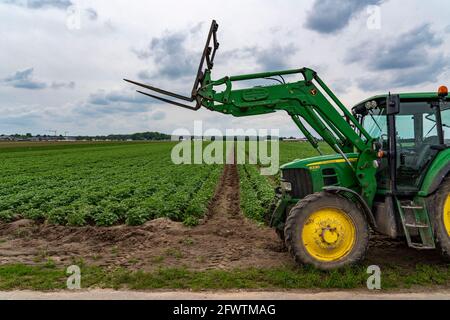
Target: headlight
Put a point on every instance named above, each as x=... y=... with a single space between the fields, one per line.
x=374 y=104
x=286 y=186
x=370 y=105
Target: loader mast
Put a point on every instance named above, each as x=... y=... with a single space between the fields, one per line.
x=308 y=99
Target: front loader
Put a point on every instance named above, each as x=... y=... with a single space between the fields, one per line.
x=390 y=172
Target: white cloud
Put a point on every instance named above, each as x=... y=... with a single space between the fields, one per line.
x=87 y=65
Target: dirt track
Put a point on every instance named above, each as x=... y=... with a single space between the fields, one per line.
x=224 y=240
x=225 y=295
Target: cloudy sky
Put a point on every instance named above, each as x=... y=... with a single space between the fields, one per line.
x=62 y=61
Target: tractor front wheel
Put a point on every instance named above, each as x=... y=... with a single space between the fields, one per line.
x=327 y=231
x=442 y=218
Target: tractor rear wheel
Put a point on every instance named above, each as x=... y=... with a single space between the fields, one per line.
x=327 y=231
x=442 y=218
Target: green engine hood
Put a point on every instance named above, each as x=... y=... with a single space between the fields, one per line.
x=319 y=161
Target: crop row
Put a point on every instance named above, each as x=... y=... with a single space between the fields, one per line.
x=256 y=192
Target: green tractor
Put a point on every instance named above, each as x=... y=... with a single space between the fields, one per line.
x=390 y=173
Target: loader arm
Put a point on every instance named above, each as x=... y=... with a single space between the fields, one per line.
x=308 y=100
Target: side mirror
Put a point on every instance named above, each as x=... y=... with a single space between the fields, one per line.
x=393 y=104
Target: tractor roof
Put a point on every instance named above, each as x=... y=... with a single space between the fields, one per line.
x=409 y=96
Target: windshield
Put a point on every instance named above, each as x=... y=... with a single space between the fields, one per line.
x=375 y=123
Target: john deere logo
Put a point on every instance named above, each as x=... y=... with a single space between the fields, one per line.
x=313 y=92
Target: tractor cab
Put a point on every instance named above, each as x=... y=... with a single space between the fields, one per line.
x=411 y=137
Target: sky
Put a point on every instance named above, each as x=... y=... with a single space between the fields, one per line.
x=62 y=61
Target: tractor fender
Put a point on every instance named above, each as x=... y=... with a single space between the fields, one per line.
x=352 y=195
x=437 y=171
x=440 y=176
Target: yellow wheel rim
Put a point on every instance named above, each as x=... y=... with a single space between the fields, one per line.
x=447 y=214
x=329 y=234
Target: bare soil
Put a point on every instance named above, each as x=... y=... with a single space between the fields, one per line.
x=224 y=240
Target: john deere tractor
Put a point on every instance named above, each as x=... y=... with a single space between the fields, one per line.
x=390 y=172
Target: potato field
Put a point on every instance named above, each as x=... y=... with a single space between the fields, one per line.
x=107 y=184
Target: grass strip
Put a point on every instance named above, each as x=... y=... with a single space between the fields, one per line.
x=49 y=277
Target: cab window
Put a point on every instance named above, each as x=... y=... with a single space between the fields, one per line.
x=416 y=133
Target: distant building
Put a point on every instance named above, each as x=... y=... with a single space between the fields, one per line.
x=6 y=138
x=296 y=140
